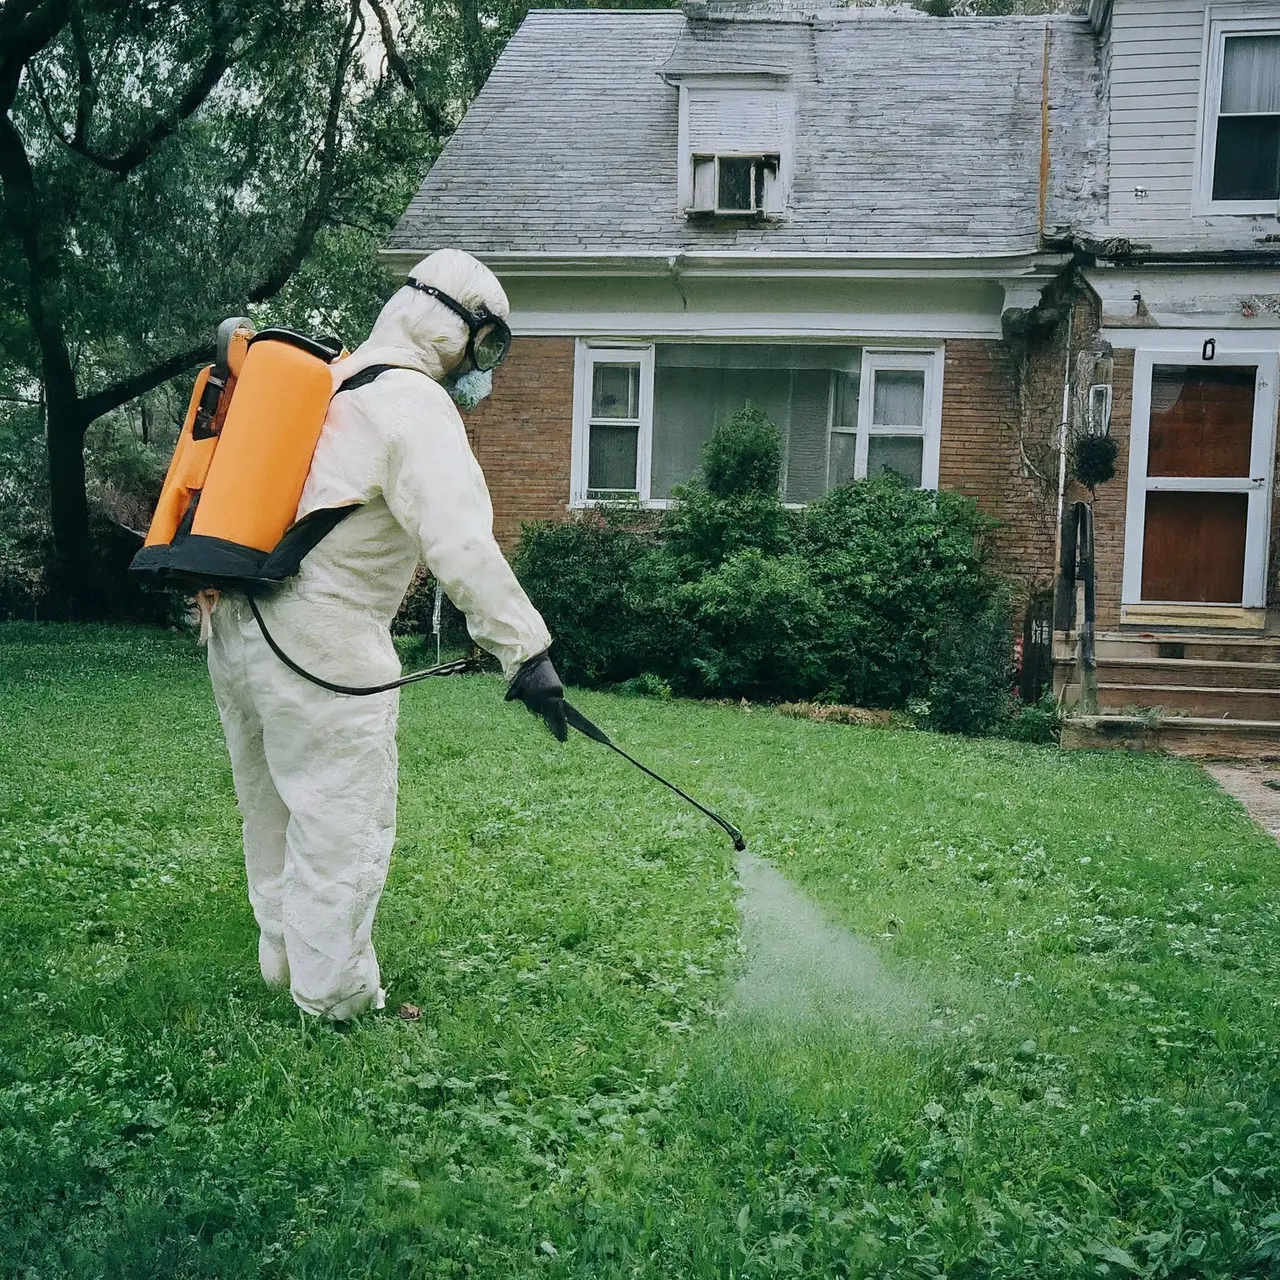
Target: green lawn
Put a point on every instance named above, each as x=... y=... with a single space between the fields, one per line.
x=1071 y=1068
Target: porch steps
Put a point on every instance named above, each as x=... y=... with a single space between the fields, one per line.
x=1197 y=694
x=1196 y=737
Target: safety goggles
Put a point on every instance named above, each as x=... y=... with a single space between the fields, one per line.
x=488 y=336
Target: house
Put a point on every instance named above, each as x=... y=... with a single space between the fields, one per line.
x=946 y=247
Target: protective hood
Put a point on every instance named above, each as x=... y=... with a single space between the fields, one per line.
x=415 y=330
x=410 y=331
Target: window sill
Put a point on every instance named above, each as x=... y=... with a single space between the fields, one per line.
x=1238 y=209
x=646 y=504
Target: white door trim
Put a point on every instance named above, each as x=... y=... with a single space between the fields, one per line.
x=1258 y=486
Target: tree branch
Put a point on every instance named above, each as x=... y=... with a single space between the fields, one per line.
x=145 y=145
x=473 y=44
x=138 y=384
x=87 y=96
x=283 y=269
x=25 y=28
x=431 y=115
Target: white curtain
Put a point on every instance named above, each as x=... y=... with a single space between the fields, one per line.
x=698 y=385
x=1251 y=75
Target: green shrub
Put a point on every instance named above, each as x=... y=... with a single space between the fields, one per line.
x=584 y=575
x=743 y=457
x=733 y=506
x=971 y=688
x=734 y=595
x=893 y=562
x=756 y=619
x=1036 y=722
x=646 y=685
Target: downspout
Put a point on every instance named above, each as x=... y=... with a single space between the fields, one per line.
x=675 y=262
x=1045 y=170
x=1044 y=132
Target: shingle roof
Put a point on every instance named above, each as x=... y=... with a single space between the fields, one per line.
x=913 y=135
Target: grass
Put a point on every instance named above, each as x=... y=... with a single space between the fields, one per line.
x=1081 y=1078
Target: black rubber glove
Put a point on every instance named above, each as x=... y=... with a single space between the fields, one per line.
x=539 y=688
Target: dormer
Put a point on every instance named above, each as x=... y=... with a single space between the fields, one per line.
x=736 y=141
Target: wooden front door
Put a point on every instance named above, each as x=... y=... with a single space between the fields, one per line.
x=1200 y=480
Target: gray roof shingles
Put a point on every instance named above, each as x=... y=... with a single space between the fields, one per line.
x=913 y=136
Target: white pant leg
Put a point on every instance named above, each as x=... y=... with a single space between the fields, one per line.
x=265 y=817
x=333 y=761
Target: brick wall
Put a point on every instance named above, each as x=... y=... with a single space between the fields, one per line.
x=522 y=435
x=986 y=418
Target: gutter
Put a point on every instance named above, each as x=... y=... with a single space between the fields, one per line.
x=753 y=264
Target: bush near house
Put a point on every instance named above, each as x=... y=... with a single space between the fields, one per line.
x=876 y=595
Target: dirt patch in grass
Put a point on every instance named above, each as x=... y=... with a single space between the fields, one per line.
x=1257 y=787
x=824 y=714
x=801 y=965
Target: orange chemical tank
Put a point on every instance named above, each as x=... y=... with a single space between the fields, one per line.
x=227 y=513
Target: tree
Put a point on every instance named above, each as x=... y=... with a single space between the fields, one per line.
x=167 y=162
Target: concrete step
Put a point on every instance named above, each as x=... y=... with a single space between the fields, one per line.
x=1197 y=737
x=1184 y=700
x=1160 y=671
x=1179 y=646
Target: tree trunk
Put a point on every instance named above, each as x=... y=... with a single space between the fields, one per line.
x=75 y=579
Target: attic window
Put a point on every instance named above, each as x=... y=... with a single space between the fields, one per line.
x=736 y=139
x=735 y=185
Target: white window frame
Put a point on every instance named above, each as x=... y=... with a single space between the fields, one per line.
x=769 y=184
x=928 y=362
x=587 y=355
x=1221 y=22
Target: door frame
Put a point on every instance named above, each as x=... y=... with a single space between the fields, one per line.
x=1259 y=487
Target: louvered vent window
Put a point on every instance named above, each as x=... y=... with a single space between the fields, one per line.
x=739 y=150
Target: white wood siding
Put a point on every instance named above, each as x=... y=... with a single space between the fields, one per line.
x=1156 y=67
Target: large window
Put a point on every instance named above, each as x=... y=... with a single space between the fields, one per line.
x=844 y=412
x=1241 y=168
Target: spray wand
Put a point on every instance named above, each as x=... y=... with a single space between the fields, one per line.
x=597 y=734
x=571 y=714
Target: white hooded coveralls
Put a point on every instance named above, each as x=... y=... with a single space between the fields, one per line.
x=315 y=772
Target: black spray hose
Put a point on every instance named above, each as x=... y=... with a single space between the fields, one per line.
x=458 y=668
x=571 y=714
x=596 y=734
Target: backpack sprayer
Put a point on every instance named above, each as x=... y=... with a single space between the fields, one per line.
x=226 y=515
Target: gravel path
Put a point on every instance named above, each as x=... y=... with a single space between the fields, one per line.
x=1248 y=783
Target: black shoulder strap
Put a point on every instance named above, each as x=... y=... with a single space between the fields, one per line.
x=366 y=376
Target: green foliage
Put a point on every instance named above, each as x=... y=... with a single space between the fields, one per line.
x=738 y=596
x=646 y=685
x=1036 y=722
x=895 y=564
x=971 y=687
x=743 y=457
x=1057 y=1058
x=757 y=624
x=24 y=513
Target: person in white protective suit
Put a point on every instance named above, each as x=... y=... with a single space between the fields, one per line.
x=315 y=772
